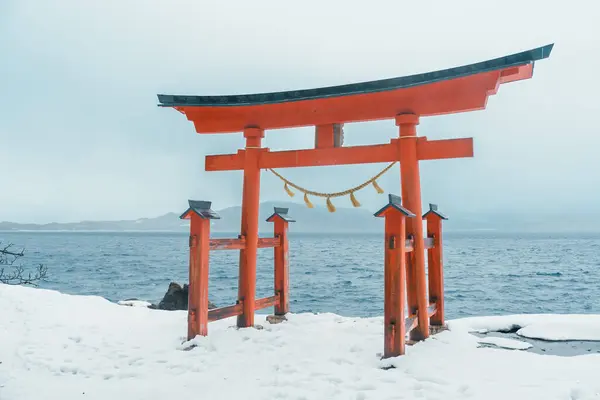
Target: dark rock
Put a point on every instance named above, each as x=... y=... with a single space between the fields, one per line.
x=190 y=347
x=176 y=298
x=276 y=319
x=511 y=329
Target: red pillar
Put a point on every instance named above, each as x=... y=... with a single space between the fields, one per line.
x=411 y=194
x=394 y=286
x=435 y=263
x=198 y=286
x=394 y=276
x=411 y=294
x=200 y=214
x=250 y=207
x=280 y=218
x=282 y=268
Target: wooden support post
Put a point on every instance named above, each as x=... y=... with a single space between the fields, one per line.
x=338 y=135
x=281 y=219
x=249 y=231
x=329 y=136
x=411 y=295
x=324 y=136
x=411 y=193
x=193 y=316
x=394 y=276
x=200 y=215
x=394 y=287
x=281 y=269
x=266 y=302
x=435 y=263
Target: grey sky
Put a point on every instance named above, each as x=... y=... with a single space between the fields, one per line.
x=81 y=136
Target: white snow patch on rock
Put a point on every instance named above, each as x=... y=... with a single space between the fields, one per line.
x=561 y=331
x=556 y=327
x=505 y=343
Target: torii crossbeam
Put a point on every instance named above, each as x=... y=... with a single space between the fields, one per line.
x=404 y=99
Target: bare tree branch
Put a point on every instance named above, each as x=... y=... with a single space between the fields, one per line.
x=17 y=274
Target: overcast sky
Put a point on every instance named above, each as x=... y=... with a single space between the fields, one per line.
x=81 y=136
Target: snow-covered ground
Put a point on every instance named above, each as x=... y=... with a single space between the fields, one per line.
x=57 y=346
x=134 y=303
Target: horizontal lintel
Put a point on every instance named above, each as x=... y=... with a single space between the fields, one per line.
x=240 y=243
x=237 y=309
x=329 y=156
x=443 y=149
x=269 y=242
x=224 y=312
x=225 y=162
x=227 y=244
x=265 y=302
x=426 y=150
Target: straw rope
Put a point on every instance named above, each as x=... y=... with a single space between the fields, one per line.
x=329 y=196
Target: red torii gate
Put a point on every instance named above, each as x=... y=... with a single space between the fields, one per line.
x=405 y=99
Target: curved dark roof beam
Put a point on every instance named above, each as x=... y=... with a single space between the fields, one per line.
x=514 y=60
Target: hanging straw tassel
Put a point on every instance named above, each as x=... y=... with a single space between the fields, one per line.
x=354 y=201
x=377 y=187
x=307 y=201
x=330 y=205
x=287 y=189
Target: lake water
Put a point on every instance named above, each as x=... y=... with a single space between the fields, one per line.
x=485 y=273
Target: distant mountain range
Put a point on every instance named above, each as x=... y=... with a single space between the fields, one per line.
x=319 y=220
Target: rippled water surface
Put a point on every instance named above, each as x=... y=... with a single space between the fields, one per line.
x=485 y=273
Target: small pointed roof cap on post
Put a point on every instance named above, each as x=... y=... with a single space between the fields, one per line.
x=433 y=209
x=395 y=202
x=201 y=208
x=282 y=213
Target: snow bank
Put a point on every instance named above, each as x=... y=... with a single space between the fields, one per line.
x=559 y=331
x=536 y=326
x=134 y=303
x=57 y=346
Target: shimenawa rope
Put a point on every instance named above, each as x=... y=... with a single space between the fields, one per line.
x=328 y=196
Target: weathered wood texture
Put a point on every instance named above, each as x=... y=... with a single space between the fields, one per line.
x=281 y=275
x=426 y=150
x=394 y=284
x=198 y=277
x=224 y=312
x=435 y=263
x=240 y=243
x=407 y=148
x=266 y=302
